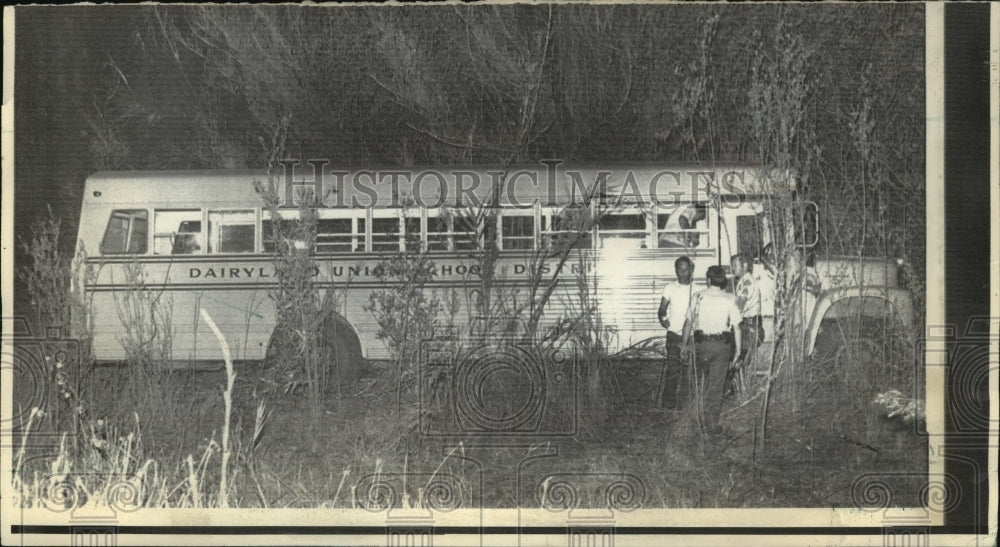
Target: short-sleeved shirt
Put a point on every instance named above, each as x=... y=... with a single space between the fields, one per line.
x=765 y=285
x=678 y=297
x=714 y=311
x=748 y=296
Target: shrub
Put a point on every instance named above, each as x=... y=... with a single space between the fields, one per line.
x=405 y=314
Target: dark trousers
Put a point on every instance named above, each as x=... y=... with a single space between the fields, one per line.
x=712 y=358
x=752 y=336
x=674 y=390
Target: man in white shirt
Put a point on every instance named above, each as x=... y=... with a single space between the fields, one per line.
x=714 y=319
x=674 y=302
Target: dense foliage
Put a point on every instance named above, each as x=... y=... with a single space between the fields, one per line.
x=194 y=87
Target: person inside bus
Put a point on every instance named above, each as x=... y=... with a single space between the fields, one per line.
x=674 y=392
x=675 y=234
x=186 y=240
x=713 y=320
x=185 y=244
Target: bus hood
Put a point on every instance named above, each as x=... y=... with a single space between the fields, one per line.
x=843 y=271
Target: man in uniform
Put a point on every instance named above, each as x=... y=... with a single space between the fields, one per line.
x=748 y=299
x=673 y=309
x=713 y=319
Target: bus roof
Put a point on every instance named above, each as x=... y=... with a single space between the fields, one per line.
x=548 y=184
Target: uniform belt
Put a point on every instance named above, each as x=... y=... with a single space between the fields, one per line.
x=700 y=336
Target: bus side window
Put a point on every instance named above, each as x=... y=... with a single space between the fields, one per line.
x=517 y=231
x=437 y=233
x=126 y=233
x=682 y=228
x=412 y=234
x=567 y=228
x=360 y=245
x=267 y=234
x=338 y=235
x=232 y=231
x=465 y=232
x=627 y=228
x=188 y=240
x=386 y=234
x=177 y=231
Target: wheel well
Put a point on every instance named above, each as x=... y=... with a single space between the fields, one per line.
x=341 y=354
x=862 y=306
x=869 y=343
x=343 y=322
x=337 y=318
x=860 y=317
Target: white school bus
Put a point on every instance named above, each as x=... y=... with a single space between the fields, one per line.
x=200 y=238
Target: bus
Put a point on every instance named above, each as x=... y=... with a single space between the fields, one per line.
x=201 y=240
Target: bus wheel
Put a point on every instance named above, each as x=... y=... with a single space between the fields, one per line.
x=342 y=353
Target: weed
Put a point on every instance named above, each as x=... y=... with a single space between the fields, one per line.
x=47 y=272
x=55 y=286
x=405 y=313
x=298 y=353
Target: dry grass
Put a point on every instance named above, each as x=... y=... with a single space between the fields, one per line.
x=280 y=460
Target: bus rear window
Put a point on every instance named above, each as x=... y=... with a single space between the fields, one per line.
x=126 y=233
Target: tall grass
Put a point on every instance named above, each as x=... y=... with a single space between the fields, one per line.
x=54 y=284
x=103 y=458
x=110 y=469
x=406 y=314
x=853 y=190
x=298 y=353
x=146 y=316
x=47 y=272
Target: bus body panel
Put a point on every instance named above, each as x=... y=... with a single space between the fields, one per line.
x=625 y=290
x=135 y=220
